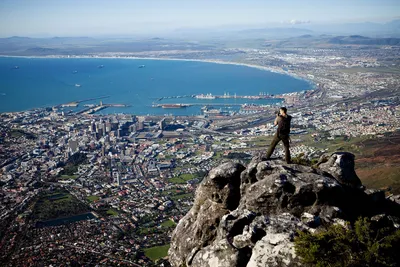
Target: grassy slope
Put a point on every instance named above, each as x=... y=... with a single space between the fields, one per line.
x=377 y=159
x=378 y=165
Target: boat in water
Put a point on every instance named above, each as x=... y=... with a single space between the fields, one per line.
x=210 y=111
x=203 y=96
x=75 y=72
x=142 y=66
x=100 y=66
x=77 y=85
x=174 y=105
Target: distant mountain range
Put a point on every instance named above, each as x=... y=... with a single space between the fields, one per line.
x=362 y=40
x=254 y=38
x=370 y=29
x=25 y=46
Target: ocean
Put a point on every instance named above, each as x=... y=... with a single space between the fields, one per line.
x=27 y=83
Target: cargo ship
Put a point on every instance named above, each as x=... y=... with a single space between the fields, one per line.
x=174 y=105
x=210 y=111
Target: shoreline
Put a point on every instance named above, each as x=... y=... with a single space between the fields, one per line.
x=215 y=61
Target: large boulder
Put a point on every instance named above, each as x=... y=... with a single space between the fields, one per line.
x=341 y=166
x=217 y=195
x=249 y=217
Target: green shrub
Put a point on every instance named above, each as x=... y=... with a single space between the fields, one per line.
x=359 y=246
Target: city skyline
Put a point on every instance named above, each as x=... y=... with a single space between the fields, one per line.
x=42 y=18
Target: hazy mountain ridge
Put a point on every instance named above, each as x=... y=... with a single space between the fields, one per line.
x=25 y=46
x=363 y=40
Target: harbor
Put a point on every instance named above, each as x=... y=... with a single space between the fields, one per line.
x=90 y=108
x=209 y=96
x=76 y=103
x=227 y=104
x=184 y=105
x=93 y=108
x=220 y=104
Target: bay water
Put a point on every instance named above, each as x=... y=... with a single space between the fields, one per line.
x=27 y=83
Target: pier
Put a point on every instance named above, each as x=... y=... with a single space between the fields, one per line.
x=228 y=96
x=171 y=97
x=91 y=109
x=76 y=103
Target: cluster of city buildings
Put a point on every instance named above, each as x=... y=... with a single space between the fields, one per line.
x=122 y=164
x=372 y=118
x=131 y=167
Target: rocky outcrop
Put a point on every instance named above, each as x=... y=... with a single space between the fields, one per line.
x=341 y=166
x=249 y=216
x=216 y=196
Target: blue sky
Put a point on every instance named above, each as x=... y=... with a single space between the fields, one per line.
x=125 y=17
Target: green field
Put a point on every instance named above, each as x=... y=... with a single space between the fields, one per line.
x=112 y=212
x=172 y=192
x=175 y=194
x=92 y=198
x=68 y=177
x=58 y=203
x=183 y=178
x=16 y=133
x=168 y=224
x=218 y=155
x=146 y=230
x=261 y=141
x=182 y=196
x=156 y=253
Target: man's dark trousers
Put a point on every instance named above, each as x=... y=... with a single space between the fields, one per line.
x=275 y=141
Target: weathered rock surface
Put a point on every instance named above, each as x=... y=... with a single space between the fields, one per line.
x=249 y=216
x=341 y=166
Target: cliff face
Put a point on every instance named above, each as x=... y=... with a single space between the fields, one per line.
x=249 y=216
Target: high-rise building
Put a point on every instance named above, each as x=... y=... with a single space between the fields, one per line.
x=100 y=132
x=92 y=127
x=119 y=180
x=132 y=128
x=162 y=124
x=108 y=127
x=140 y=124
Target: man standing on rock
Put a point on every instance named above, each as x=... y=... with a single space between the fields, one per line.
x=282 y=134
